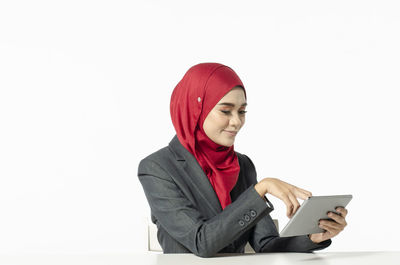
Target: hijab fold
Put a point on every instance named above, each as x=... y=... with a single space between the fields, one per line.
x=200 y=89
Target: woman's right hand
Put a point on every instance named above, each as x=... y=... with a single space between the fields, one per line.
x=286 y=192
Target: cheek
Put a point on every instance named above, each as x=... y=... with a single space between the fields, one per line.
x=215 y=123
x=221 y=121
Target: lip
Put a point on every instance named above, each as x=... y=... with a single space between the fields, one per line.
x=231 y=132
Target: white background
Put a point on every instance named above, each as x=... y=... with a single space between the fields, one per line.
x=84 y=96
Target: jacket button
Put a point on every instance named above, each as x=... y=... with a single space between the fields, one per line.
x=253 y=213
x=241 y=223
x=246 y=217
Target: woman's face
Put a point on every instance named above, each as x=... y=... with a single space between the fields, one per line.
x=226 y=118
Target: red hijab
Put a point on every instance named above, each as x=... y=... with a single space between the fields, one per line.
x=200 y=89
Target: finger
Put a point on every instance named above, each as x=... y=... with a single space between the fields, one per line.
x=329 y=231
x=332 y=225
x=342 y=211
x=295 y=203
x=303 y=194
x=289 y=206
x=338 y=218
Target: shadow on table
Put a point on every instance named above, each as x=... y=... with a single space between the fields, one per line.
x=320 y=258
x=243 y=258
x=328 y=256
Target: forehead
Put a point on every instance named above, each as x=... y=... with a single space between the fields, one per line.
x=235 y=96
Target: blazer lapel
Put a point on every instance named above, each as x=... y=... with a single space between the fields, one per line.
x=195 y=174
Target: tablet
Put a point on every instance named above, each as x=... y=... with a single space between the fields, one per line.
x=305 y=220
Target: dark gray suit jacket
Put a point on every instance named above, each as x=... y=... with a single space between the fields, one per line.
x=189 y=217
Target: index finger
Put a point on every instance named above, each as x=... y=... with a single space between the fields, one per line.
x=302 y=194
x=342 y=211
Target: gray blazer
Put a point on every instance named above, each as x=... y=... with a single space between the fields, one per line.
x=189 y=217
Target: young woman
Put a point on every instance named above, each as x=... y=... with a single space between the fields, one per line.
x=204 y=196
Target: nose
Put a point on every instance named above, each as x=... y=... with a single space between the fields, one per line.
x=235 y=121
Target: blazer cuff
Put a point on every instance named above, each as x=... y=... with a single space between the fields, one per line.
x=259 y=202
x=315 y=246
x=248 y=208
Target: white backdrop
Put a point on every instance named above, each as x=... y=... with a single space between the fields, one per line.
x=84 y=96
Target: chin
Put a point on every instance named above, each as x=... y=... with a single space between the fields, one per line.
x=227 y=143
x=224 y=141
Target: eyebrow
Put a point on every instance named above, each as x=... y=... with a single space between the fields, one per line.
x=231 y=104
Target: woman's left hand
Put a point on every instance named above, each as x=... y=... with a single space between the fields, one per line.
x=333 y=228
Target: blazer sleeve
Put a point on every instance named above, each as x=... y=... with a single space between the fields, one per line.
x=180 y=218
x=265 y=237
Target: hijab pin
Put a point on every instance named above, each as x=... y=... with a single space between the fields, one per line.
x=198 y=99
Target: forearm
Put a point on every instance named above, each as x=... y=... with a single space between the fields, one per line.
x=293 y=244
x=231 y=223
x=265 y=238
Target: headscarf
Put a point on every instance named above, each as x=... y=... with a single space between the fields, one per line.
x=200 y=89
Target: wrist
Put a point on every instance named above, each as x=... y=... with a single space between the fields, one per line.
x=313 y=239
x=261 y=188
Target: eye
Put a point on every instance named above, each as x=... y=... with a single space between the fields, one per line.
x=227 y=111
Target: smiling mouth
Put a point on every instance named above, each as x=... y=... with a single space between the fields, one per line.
x=231 y=132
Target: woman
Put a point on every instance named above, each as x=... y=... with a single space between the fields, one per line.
x=204 y=196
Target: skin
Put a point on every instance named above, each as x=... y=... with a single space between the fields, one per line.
x=223 y=118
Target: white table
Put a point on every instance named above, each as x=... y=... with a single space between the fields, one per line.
x=151 y=258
